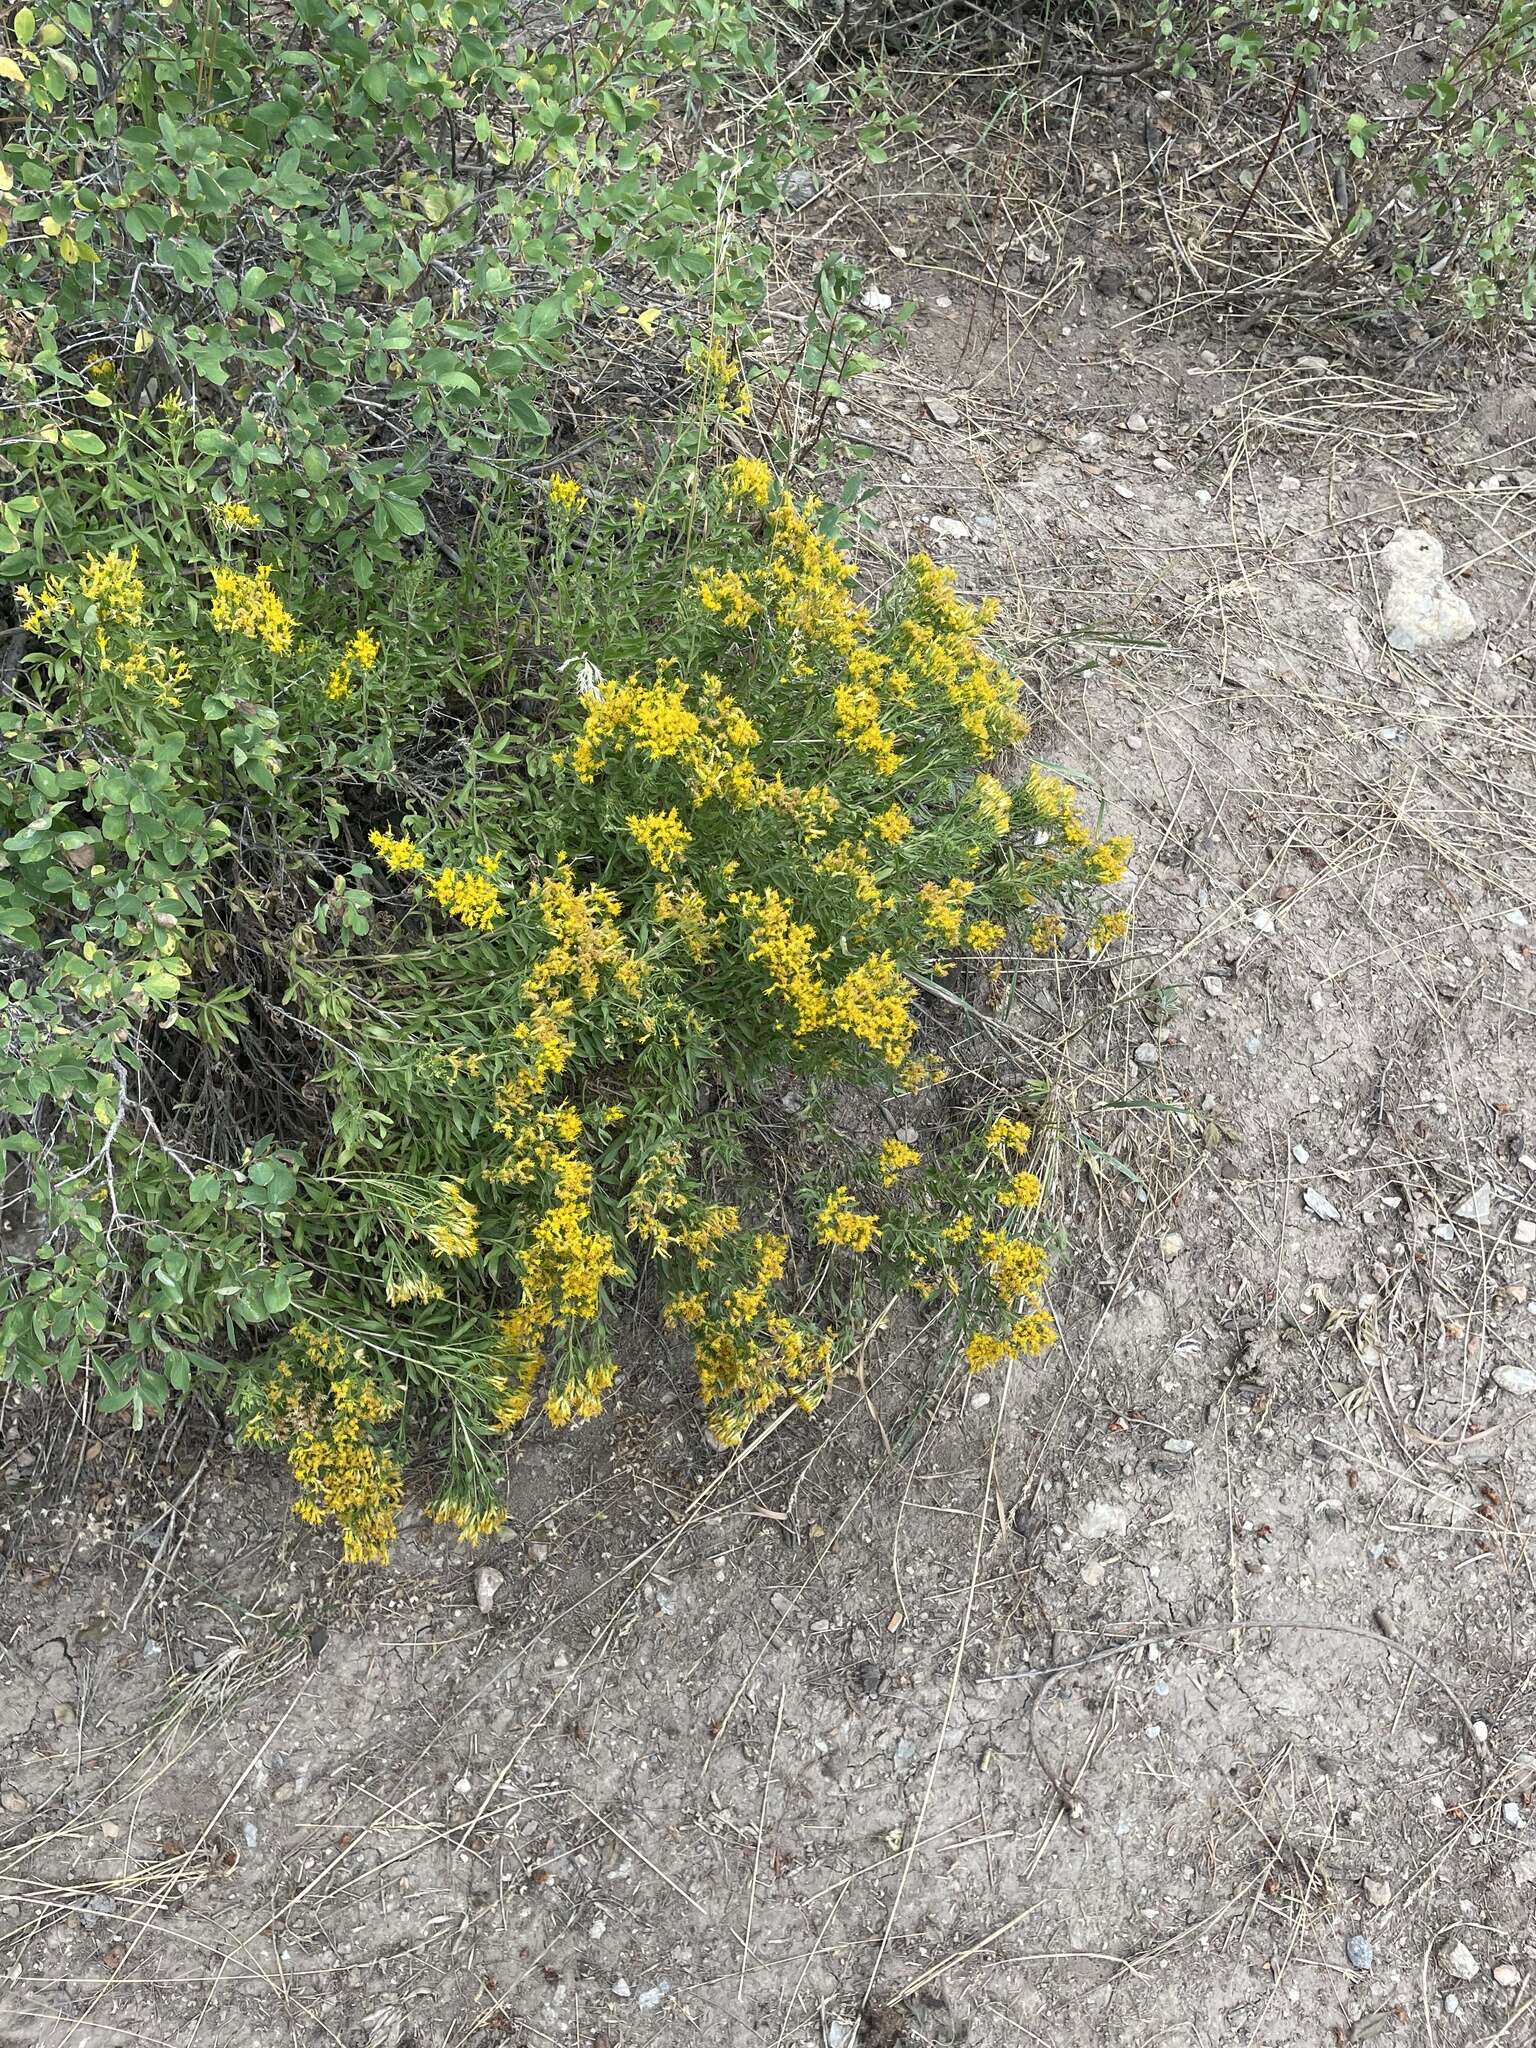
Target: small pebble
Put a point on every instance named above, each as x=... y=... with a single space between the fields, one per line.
x=1213 y=984
x=1506 y=1976
x=1459 y=1961
x=1511 y=1815
x=1515 y=1379
x=1146 y=1054
x=1451 y=2003
x=488 y=1583
x=1360 y=1953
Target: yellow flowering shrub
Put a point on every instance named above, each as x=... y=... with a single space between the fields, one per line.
x=558 y=927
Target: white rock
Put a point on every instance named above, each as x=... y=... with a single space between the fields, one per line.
x=876 y=300
x=1104 y=1518
x=1213 y=984
x=941 y=410
x=1317 y=364
x=1459 y=1961
x=1146 y=1054
x=1420 y=608
x=1478 y=1206
x=1263 y=920
x=1137 y=423
x=488 y=1583
x=1506 y=1976
x=950 y=529
x=1525 y=1230
x=1515 y=1379
x=1320 y=1205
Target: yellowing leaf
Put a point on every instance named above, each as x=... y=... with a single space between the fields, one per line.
x=24 y=25
x=646 y=321
x=9 y=68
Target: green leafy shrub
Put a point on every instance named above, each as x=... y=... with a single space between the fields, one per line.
x=355 y=241
x=1430 y=143
x=398 y=1001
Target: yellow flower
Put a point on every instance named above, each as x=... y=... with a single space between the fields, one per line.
x=1107 y=863
x=565 y=495
x=984 y=1350
x=39 y=609
x=453 y=1228
x=839 y=1223
x=1034 y=1333
x=647 y=321
x=748 y=478
x=1008 y=1134
x=473 y=1519
x=1017 y=1268
x=249 y=608
x=362 y=649
x=233 y=515
x=993 y=802
x=469 y=895
x=661 y=836
x=984 y=935
x=401 y=856
x=112 y=583
x=1112 y=925
x=1021 y=1192
x=724 y=592
x=892 y=825
x=895 y=1157
x=874 y=1004
x=1046 y=933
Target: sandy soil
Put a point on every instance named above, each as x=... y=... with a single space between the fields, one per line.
x=1175 y=1689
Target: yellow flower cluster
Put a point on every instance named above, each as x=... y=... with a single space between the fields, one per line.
x=661 y=836
x=156 y=672
x=944 y=908
x=722 y=382
x=40 y=608
x=1023 y=1191
x=1107 y=928
x=750 y=479
x=1047 y=933
x=724 y=592
x=319 y=1401
x=470 y=896
x=248 y=608
x=747 y=1354
x=357 y=658
x=686 y=906
x=402 y=856
x=1017 y=1268
x=1056 y=801
x=1107 y=863
x=453 y=1225
x=895 y=1158
x=112 y=583
x=473 y=1519
x=839 y=1223
x=892 y=825
x=1008 y=1134
x=993 y=804
x=565 y=495
x=232 y=515
x=857 y=710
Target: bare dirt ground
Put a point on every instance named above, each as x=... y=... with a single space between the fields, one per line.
x=1176 y=1688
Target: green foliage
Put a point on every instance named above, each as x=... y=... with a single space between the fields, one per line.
x=398 y=1001
x=1441 y=170
x=355 y=241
